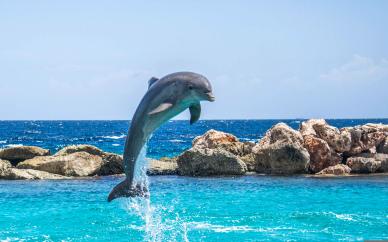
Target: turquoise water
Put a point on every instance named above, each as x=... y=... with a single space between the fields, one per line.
x=249 y=208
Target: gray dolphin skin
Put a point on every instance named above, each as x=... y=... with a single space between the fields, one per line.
x=165 y=98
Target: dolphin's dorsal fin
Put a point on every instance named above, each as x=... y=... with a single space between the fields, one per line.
x=195 y=112
x=152 y=81
x=161 y=108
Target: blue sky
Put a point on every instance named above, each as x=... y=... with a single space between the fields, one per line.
x=265 y=59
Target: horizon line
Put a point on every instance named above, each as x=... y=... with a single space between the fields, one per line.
x=227 y=119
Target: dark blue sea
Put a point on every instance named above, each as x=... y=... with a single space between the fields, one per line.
x=248 y=208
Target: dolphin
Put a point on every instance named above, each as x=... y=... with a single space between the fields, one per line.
x=164 y=99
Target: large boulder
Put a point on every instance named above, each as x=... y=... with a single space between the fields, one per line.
x=112 y=163
x=363 y=164
x=75 y=164
x=339 y=141
x=78 y=148
x=337 y=170
x=321 y=155
x=20 y=153
x=365 y=137
x=281 y=151
x=209 y=162
x=281 y=158
x=381 y=160
x=28 y=174
x=213 y=139
x=323 y=141
x=163 y=166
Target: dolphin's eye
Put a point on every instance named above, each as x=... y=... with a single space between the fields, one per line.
x=191 y=87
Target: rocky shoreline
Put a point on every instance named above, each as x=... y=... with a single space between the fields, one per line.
x=316 y=149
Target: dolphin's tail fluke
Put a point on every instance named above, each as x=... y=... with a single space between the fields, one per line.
x=126 y=189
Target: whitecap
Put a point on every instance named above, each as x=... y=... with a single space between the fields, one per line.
x=3 y=141
x=345 y=217
x=14 y=145
x=221 y=228
x=115 y=144
x=176 y=140
x=226 y=229
x=33 y=132
x=232 y=228
x=114 y=136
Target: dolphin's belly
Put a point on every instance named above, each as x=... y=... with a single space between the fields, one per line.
x=156 y=120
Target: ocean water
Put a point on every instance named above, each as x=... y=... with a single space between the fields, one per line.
x=248 y=208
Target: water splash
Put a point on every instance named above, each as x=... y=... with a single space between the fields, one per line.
x=140 y=175
x=141 y=206
x=157 y=224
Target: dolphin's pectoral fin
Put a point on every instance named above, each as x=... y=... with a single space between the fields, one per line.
x=124 y=189
x=161 y=108
x=195 y=112
x=152 y=81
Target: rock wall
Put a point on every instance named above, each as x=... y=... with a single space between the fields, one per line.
x=316 y=148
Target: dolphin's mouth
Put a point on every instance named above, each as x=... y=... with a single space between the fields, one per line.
x=210 y=97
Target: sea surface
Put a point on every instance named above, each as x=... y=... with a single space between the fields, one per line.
x=248 y=208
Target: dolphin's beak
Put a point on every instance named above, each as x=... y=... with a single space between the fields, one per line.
x=210 y=97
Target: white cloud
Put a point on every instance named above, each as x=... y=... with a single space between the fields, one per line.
x=359 y=69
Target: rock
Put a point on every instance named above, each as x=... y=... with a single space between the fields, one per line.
x=307 y=127
x=383 y=147
x=384 y=162
x=112 y=164
x=249 y=161
x=238 y=148
x=350 y=141
x=337 y=170
x=281 y=132
x=370 y=127
x=212 y=138
x=75 y=164
x=4 y=165
x=281 y=158
x=217 y=139
x=209 y=162
x=321 y=155
x=78 y=148
x=339 y=141
x=162 y=167
x=365 y=137
x=169 y=159
x=20 y=153
x=281 y=151
x=363 y=165
x=379 y=157
x=28 y=174
x=323 y=143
